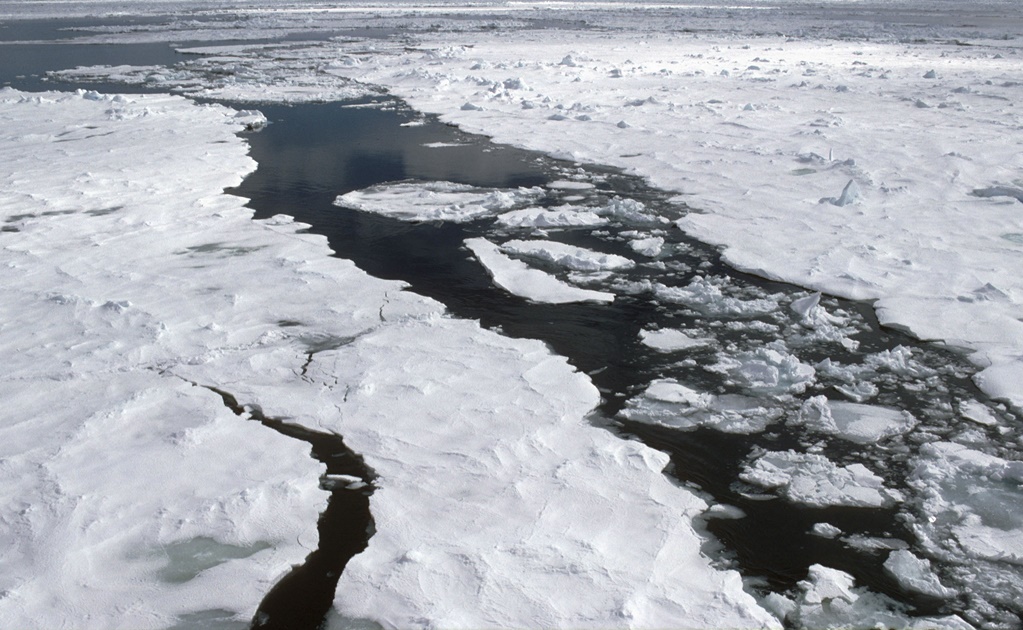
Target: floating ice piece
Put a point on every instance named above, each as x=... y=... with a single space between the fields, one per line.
x=567 y=184
x=930 y=74
x=968 y=496
x=767 y=371
x=650 y=246
x=567 y=256
x=862 y=424
x=436 y=201
x=805 y=305
x=979 y=413
x=519 y=279
x=829 y=598
x=669 y=403
x=1000 y=191
x=825 y=530
x=671 y=340
x=562 y=216
x=915 y=574
x=816 y=481
x=629 y=212
x=704 y=295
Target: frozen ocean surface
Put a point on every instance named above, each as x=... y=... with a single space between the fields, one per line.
x=855 y=476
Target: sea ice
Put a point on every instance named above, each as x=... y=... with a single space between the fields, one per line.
x=862 y=424
x=671 y=340
x=567 y=256
x=705 y=295
x=814 y=480
x=560 y=217
x=436 y=201
x=669 y=403
x=135 y=287
x=766 y=371
x=524 y=281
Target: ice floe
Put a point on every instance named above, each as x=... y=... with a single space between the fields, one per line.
x=669 y=403
x=524 y=281
x=135 y=290
x=436 y=201
x=567 y=256
x=814 y=480
x=862 y=424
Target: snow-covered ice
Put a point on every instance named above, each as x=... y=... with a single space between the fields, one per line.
x=814 y=480
x=902 y=121
x=567 y=256
x=436 y=201
x=520 y=279
x=670 y=340
x=669 y=403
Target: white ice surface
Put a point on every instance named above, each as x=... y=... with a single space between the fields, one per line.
x=130 y=496
x=862 y=424
x=131 y=275
x=567 y=256
x=520 y=279
x=761 y=114
x=436 y=201
x=671 y=340
x=814 y=480
x=564 y=216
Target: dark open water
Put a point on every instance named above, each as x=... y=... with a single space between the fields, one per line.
x=310 y=154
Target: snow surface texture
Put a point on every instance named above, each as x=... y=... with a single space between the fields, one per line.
x=132 y=496
x=129 y=276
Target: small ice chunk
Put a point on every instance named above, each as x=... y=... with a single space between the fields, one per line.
x=862 y=424
x=706 y=296
x=436 y=201
x=667 y=402
x=816 y=481
x=915 y=574
x=519 y=279
x=563 y=216
x=825 y=530
x=671 y=340
x=724 y=512
x=650 y=246
x=803 y=306
x=931 y=74
x=767 y=370
x=850 y=194
x=566 y=184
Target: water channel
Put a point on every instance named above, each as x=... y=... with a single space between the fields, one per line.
x=311 y=153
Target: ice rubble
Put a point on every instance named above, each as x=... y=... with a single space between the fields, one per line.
x=130 y=276
x=567 y=256
x=520 y=279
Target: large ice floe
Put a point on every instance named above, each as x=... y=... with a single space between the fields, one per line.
x=135 y=290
